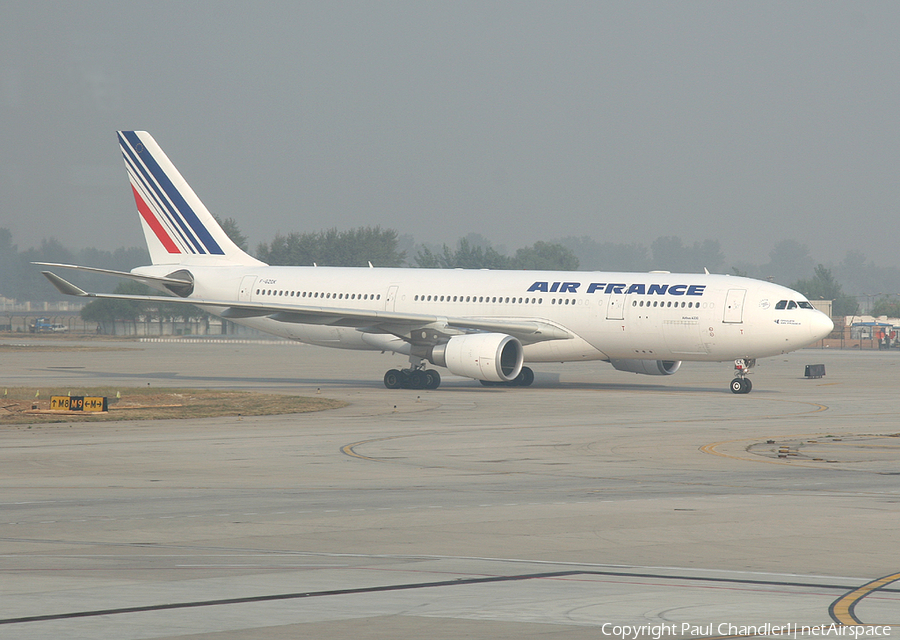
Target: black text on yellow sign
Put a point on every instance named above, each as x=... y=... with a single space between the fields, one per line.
x=78 y=403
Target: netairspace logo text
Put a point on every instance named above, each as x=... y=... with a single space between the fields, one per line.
x=796 y=631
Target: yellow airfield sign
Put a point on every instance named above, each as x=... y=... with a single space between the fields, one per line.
x=78 y=403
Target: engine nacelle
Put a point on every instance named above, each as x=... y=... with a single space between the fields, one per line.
x=495 y=357
x=647 y=367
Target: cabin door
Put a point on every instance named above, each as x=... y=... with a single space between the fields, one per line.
x=246 y=289
x=391 y=297
x=734 y=306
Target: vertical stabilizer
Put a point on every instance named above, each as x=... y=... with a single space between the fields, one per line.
x=177 y=226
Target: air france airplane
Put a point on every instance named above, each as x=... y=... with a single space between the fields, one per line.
x=475 y=323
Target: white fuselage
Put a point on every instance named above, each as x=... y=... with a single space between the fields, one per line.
x=652 y=316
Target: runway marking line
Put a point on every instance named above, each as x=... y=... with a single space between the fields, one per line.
x=843 y=611
x=459 y=581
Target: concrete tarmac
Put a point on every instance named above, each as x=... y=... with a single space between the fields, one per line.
x=593 y=504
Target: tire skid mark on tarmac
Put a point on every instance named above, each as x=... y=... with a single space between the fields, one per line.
x=712 y=449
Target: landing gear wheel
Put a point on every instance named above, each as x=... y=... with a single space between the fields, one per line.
x=525 y=377
x=416 y=379
x=393 y=379
x=742 y=366
x=432 y=379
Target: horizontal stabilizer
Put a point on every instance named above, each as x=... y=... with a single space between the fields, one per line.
x=164 y=280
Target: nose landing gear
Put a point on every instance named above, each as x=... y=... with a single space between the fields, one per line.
x=742 y=384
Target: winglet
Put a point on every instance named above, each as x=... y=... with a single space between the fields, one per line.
x=64 y=286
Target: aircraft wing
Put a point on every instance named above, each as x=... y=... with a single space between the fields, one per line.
x=527 y=331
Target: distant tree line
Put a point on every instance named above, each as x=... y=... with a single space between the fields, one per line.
x=823 y=286
x=886 y=306
x=21 y=280
x=380 y=247
x=333 y=248
x=540 y=255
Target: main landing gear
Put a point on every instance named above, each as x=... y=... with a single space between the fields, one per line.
x=742 y=384
x=412 y=378
x=524 y=379
x=418 y=377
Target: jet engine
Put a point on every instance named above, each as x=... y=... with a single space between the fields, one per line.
x=647 y=367
x=495 y=357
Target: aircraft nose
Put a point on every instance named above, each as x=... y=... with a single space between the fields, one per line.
x=821 y=326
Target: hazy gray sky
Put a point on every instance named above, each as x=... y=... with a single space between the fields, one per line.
x=745 y=123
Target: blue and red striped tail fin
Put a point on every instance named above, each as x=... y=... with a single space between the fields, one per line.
x=177 y=226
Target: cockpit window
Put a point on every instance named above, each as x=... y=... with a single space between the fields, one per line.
x=791 y=304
